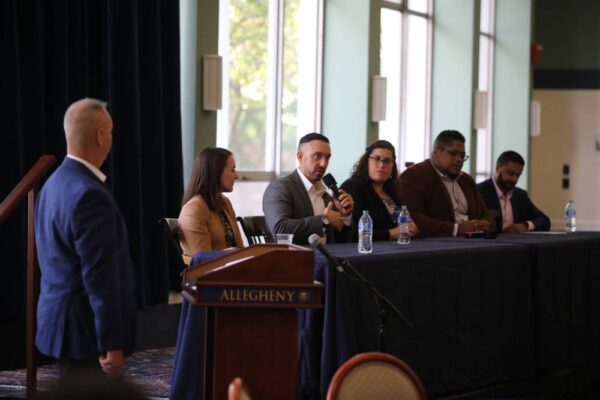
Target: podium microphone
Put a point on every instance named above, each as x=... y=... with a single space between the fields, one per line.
x=315 y=242
x=331 y=183
x=383 y=302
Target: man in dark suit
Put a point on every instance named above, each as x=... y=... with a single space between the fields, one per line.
x=442 y=200
x=299 y=204
x=510 y=205
x=86 y=310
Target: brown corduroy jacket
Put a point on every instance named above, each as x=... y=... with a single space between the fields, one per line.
x=429 y=203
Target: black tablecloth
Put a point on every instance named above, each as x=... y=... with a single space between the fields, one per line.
x=187 y=380
x=469 y=303
x=565 y=270
x=483 y=311
x=566 y=297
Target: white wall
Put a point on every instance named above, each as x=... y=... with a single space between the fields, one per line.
x=570 y=129
x=188 y=53
x=453 y=68
x=345 y=82
x=512 y=81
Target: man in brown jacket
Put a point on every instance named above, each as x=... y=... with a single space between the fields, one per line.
x=442 y=200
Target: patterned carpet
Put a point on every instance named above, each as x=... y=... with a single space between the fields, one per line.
x=149 y=370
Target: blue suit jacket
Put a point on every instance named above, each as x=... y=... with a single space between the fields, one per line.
x=522 y=206
x=87 y=300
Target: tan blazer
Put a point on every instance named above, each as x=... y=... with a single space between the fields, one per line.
x=201 y=228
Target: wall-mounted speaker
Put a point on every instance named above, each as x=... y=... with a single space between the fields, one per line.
x=212 y=69
x=378 y=98
x=480 y=113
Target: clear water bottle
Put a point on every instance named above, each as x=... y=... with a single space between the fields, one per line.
x=403 y=224
x=570 y=214
x=365 y=233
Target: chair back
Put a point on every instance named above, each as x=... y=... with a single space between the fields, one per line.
x=237 y=390
x=375 y=376
x=173 y=233
x=254 y=228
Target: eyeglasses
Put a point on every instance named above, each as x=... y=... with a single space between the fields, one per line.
x=456 y=153
x=384 y=161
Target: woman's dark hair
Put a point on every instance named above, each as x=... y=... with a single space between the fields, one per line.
x=361 y=168
x=205 y=180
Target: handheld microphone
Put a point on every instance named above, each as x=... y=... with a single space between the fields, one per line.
x=315 y=242
x=331 y=183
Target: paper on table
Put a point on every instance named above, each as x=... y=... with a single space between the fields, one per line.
x=546 y=233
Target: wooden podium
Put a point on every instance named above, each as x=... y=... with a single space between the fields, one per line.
x=252 y=296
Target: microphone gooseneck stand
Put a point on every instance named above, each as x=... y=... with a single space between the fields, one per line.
x=383 y=303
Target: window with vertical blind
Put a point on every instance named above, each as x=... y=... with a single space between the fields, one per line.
x=405 y=55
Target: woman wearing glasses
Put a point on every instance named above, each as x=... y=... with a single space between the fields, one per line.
x=373 y=186
x=207 y=219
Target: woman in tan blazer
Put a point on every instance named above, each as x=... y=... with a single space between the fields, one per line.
x=207 y=219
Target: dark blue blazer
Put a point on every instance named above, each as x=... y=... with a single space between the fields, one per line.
x=522 y=206
x=87 y=300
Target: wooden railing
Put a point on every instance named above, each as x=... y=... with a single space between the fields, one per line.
x=29 y=186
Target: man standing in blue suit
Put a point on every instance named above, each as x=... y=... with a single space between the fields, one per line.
x=86 y=310
x=511 y=207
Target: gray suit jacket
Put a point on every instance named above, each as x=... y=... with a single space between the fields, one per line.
x=288 y=209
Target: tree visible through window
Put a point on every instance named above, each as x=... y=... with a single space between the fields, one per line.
x=247 y=75
x=271 y=80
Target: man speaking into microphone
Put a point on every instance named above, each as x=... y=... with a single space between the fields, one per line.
x=299 y=203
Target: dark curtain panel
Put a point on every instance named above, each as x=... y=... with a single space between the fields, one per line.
x=125 y=52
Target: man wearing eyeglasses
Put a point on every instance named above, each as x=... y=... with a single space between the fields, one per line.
x=511 y=206
x=442 y=200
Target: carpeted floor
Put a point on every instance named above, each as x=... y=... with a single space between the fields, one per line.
x=149 y=370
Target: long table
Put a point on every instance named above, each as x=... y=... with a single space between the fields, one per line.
x=483 y=312
x=469 y=304
x=566 y=298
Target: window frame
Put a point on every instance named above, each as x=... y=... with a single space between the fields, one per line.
x=404 y=8
x=273 y=117
x=488 y=167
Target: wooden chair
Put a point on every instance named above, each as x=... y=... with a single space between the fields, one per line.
x=173 y=232
x=237 y=390
x=254 y=228
x=375 y=376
